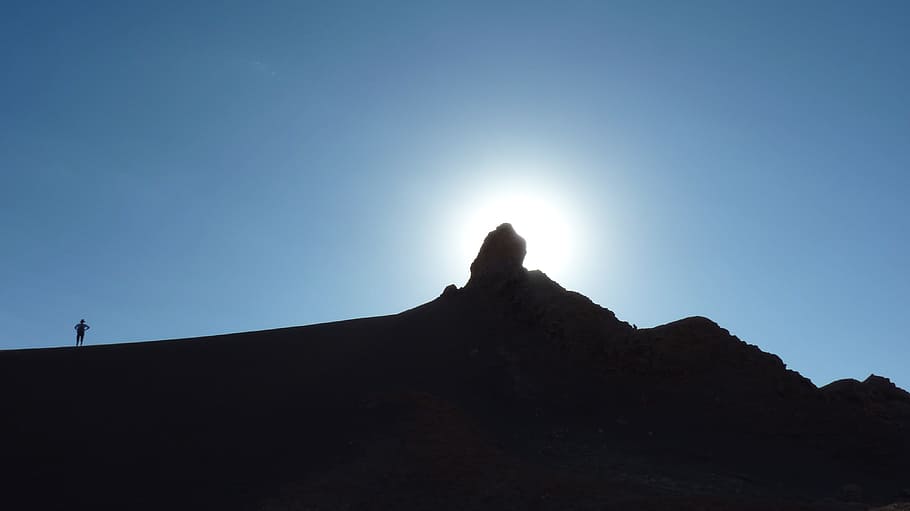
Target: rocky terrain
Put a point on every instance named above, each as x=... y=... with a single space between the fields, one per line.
x=508 y=393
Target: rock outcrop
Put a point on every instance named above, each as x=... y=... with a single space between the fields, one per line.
x=500 y=259
x=573 y=343
x=876 y=396
x=510 y=393
x=691 y=349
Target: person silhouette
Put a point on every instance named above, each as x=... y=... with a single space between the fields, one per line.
x=81 y=327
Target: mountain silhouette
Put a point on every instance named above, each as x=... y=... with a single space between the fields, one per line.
x=508 y=393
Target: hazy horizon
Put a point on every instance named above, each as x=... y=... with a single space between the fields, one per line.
x=180 y=169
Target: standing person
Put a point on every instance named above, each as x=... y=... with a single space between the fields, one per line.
x=81 y=327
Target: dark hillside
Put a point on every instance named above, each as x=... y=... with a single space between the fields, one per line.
x=509 y=393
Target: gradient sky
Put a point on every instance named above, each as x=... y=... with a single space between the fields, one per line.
x=184 y=169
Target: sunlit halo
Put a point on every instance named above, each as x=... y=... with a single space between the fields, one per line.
x=542 y=222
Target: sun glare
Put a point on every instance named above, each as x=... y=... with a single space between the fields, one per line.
x=543 y=223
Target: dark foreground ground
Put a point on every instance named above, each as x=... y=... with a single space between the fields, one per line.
x=510 y=393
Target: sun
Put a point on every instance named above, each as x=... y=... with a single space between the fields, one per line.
x=542 y=221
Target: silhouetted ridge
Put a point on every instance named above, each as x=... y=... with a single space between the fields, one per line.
x=510 y=393
x=695 y=348
x=499 y=283
x=876 y=396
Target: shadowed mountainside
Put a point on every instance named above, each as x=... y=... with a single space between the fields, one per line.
x=508 y=393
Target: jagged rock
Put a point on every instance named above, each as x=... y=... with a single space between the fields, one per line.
x=571 y=320
x=876 y=396
x=444 y=406
x=886 y=389
x=500 y=259
x=694 y=347
x=686 y=350
x=449 y=291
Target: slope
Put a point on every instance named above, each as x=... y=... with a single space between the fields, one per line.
x=510 y=392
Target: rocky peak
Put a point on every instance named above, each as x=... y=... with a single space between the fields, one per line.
x=500 y=259
x=875 y=395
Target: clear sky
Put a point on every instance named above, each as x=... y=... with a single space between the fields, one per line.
x=191 y=168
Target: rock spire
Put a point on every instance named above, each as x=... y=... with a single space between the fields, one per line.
x=500 y=258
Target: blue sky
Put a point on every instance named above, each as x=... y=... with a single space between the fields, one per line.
x=183 y=169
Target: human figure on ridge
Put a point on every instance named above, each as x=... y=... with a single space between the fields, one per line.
x=81 y=327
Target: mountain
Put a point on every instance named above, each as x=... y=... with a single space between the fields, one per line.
x=508 y=393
